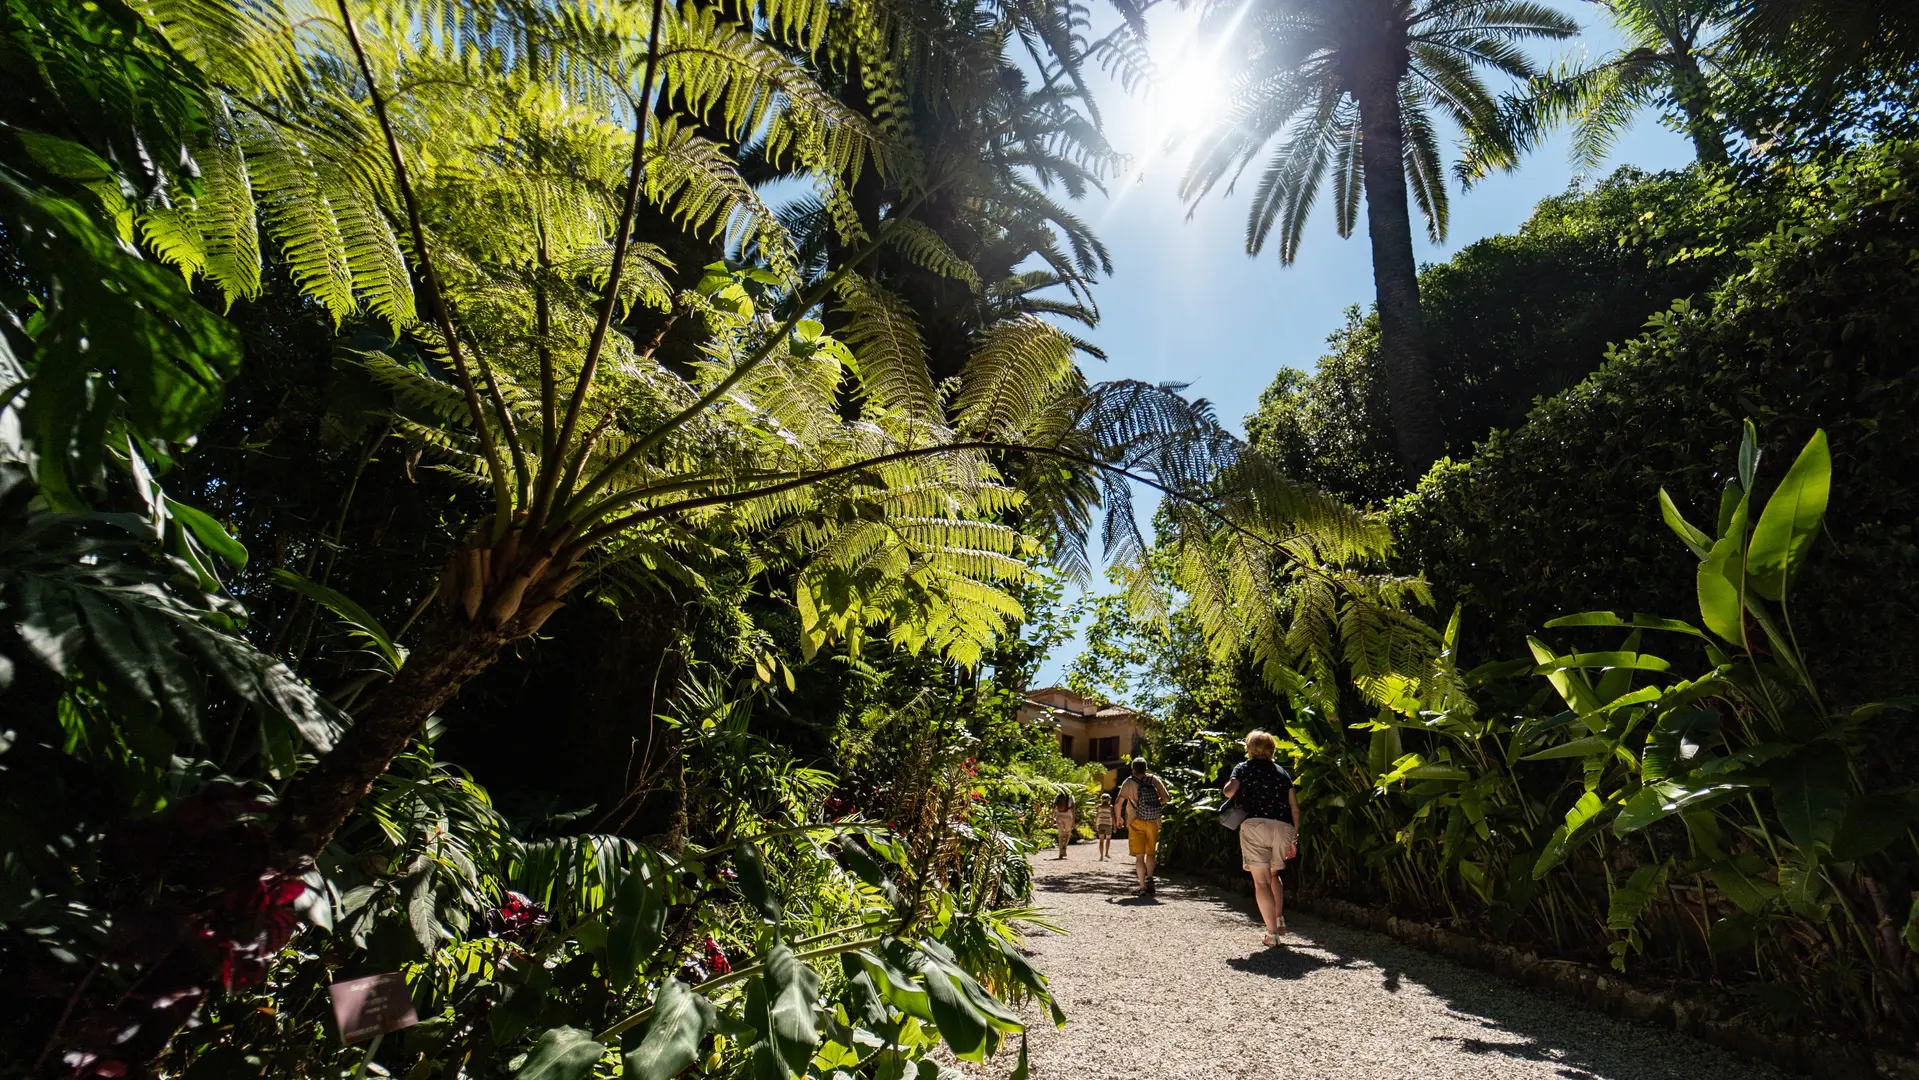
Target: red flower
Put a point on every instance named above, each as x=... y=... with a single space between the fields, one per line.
x=517 y=915
x=716 y=960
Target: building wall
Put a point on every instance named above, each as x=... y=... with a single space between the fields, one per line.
x=1085 y=733
x=1076 y=717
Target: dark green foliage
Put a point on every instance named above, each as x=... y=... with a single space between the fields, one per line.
x=1821 y=332
x=1511 y=319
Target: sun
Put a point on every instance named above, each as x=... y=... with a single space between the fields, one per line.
x=1188 y=93
x=1190 y=88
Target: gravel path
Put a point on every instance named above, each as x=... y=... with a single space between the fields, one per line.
x=1183 y=988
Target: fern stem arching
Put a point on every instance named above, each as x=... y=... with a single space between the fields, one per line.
x=436 y=300
x=622 y=234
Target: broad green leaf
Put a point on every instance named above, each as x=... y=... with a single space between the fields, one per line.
x=1559 y=845
x=1871 y=822
x=1748 y=453
x=1721 y=582
x=1581 y=747
x=1636 y=661
x=1803 y=888
x=899 y=987
x=1643 y=622
x=211 y=534
x=563 y=1053
x=868 y=869
x=1616 y=679
x=753 y=884
x=1731 y=496
x=1739 y=880
x=639 y=922
x=1662 y=800
x=1437 y=771
x=788 y=993
x=1698 y=542
x=1810 y=792
x=1790 y=521
x=1678 y=739
x=861 y=996
x=681 y=1018
x=1630 y=899
x=1571 y=684
x=960 y=1024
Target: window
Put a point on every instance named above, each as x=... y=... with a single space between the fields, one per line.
x=1066 y=745
x=1106 y=749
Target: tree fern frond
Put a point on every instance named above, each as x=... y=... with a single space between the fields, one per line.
x=886 y=341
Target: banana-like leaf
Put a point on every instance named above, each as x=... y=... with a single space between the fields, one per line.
x=752 y=870
x=1790 y=521
x=563 y=1053
x=1630 y=899
x=1722 y=581
x=681 y=1018
x=1662 y=800
x=639 y=924
x=1582 y=814
x=960 y=1023
x=1586 y=746
x=1810 y=791
x=1642 y=622
x=782 y=1007
x=1698 y=542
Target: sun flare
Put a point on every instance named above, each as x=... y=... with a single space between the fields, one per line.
x=1188 y=92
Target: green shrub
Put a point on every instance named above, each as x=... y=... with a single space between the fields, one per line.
x=1820 y=332
x=1512 y=318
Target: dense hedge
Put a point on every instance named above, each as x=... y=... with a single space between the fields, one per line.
x=1560 y=514
x=1512 y=318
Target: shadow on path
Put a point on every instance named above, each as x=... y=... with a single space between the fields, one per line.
x=1484 y=1017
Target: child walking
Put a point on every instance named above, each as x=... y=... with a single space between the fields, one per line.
x=1064 y=817
x=1103 y=826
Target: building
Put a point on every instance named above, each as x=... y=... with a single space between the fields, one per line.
x=1088 y=730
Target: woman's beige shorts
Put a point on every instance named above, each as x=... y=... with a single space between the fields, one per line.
x=1264 y=843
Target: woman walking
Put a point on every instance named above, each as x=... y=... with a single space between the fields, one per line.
x=1270 y=834
x=1064 y=817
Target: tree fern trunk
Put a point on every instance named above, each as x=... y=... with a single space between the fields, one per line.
x=1412 y=397
x=321 y=799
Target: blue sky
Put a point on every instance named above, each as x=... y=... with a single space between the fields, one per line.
x=1186 y=304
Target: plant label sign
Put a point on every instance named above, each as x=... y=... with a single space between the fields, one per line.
x=372 y=1006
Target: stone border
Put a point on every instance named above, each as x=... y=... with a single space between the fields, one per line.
x=1690 y=1013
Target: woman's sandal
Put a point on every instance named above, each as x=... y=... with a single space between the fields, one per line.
x=1269 y=940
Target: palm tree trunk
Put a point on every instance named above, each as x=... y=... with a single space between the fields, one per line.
x=1412 y=396
x=1694 y=98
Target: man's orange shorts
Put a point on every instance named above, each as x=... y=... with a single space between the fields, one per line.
x=1142 y=837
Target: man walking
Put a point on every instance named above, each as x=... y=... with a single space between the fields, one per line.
x=1142 y=799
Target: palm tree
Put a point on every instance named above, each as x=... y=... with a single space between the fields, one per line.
x=1352 y=87
x=1676 y=56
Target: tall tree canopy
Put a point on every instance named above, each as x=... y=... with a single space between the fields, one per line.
x=1350 y=91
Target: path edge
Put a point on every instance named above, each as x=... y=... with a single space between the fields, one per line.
x=1687 y=1013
